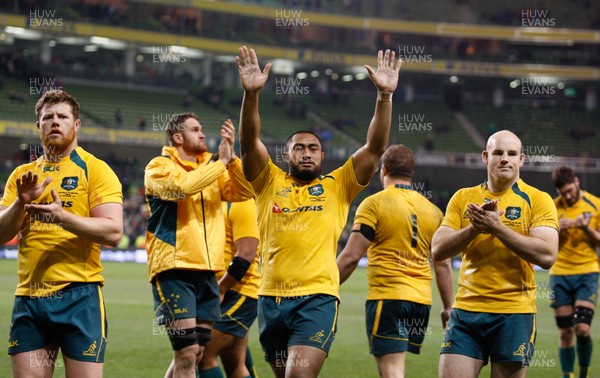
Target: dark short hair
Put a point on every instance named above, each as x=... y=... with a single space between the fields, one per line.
x=562 y=176
x=399 y=161
x=53 y=97
x=175 y=124
x=287 y=143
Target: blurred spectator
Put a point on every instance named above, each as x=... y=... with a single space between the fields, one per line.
x=142 y=122
x=429 y=143
x=213 y=95
x=118 y=118
x=187 y=102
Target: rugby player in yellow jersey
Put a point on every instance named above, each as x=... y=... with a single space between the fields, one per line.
x=395 y=227
x=301 y=216
x=574 y=276
x=65 y=205
x=502 y=227
x=185 y=234
x=239 y=293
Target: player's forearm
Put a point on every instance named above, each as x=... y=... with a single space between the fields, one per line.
x=346 y=265
x=531 y=249
x=443 y=280
x=448 y=242
x=226 y=283
x=11 y=219
x=594 y=235
x=99 y=230
x=176 y=186
x=379 y=128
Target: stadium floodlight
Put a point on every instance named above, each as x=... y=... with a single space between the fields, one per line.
x=108 y=43
x=73 y=40
x=314 y=73
x=361 y=76
x=282 y=67
x=454 y=79
x=328 y=72
x=22 y=33
x=347 y=78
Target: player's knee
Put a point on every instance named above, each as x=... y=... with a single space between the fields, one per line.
x=584 y=340
x=565 y=322
x=203 y=335
x=182 y=337
x=583 y=315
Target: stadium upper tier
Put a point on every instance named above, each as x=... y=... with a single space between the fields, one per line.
x=565 y=13
x=261 y=25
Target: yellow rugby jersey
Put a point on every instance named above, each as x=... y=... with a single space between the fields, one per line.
x=492 y=278
x=404 y=222
x=240 y=222
x=576 y=251
x=50 y=257
x=299 y=229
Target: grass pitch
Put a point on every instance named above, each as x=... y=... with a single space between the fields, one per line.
x=139 y=348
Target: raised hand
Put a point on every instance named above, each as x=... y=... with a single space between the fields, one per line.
x=225 y=145
x=230 y=131
x=28 y=188
x=253 y=79
x=386 y=77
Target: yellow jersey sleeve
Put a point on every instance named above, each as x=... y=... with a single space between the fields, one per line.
x=454 y=213
x=10 y=190
x=105 y=186
x=242 y=216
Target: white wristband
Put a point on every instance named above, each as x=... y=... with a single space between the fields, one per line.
x=384 y=97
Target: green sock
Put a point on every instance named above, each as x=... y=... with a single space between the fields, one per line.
x=584 y=353
x=567 y=361
x=210 y=373
x=250 y=364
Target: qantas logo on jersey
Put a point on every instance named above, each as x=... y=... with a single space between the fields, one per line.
x=62 y=203
x=300 y=209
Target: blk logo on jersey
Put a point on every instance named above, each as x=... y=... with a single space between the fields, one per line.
x=315 y=190
x=50 y=168
x=513 y=213
x=69 y=183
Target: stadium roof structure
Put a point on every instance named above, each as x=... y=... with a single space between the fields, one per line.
x=16 y=26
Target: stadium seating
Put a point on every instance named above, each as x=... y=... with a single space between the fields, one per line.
x=566 y=131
